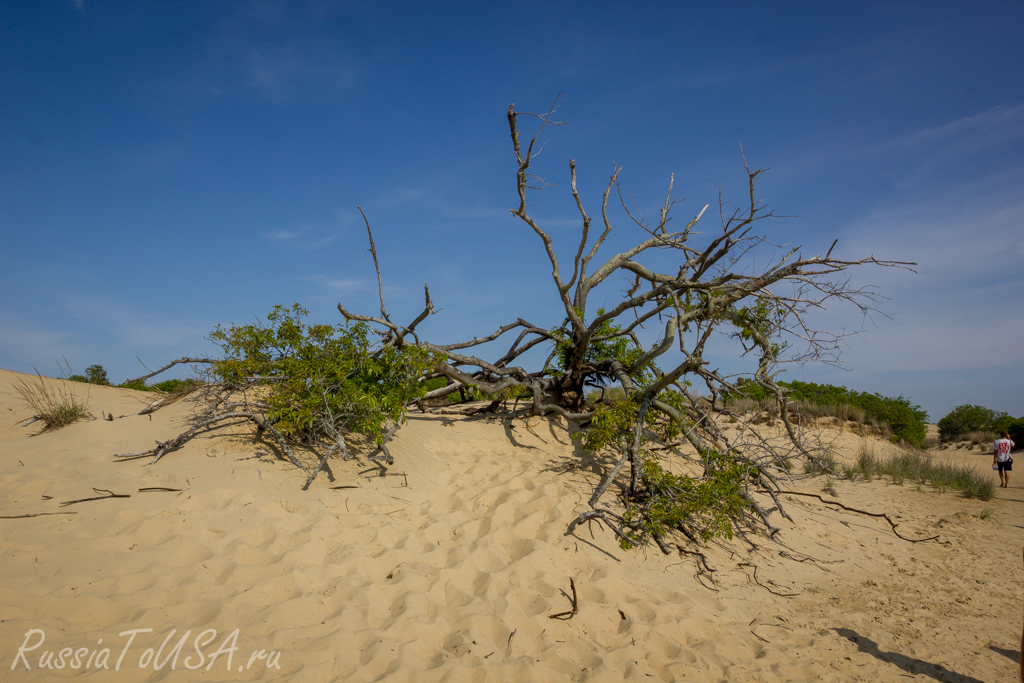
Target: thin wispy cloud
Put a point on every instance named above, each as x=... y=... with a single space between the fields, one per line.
x=283 y=235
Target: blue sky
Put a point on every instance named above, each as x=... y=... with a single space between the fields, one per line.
x=168 y=166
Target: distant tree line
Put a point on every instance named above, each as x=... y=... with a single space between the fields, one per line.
x=971 y=418
x=95 y=374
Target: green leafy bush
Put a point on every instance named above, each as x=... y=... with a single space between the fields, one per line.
x=95 y=374
x=319 y=380
x=971 y=418
x=1016 y=430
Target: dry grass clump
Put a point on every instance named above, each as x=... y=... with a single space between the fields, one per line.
x=54 y=402
x=982 y=438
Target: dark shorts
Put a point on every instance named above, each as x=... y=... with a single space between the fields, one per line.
x=1005 y=466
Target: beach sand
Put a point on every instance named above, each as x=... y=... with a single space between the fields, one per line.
x=449 y=568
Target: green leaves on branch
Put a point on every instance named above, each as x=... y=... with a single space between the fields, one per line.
x=320 y=380
x=671 y=501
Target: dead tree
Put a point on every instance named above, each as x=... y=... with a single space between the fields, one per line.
x=715 y=290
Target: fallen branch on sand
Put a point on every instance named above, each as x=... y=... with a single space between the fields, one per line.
x=862 y=512
x=110 y=494
x=758 y=582
x=575 y=604
x=36 y=514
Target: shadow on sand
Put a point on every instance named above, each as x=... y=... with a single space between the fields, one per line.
x=908 y=664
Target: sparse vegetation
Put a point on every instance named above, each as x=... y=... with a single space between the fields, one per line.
x=823 y=464
x=53 y=401
x=987 y=513
x=918 y=467
x=904 y=419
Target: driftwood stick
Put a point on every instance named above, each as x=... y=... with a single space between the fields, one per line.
x=110 y=494
x=575 y=604
x=164 y=447
x=151 y=407
x=157 y=488
x=36 y=514
x=169 y=366
x=862 y=512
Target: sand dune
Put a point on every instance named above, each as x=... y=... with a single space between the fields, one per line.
x=448 y=569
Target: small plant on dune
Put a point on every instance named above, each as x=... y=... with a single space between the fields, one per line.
x=822 y=464
x=987 y=513
x=830 y=487
x=95 y=374
x=53 y=401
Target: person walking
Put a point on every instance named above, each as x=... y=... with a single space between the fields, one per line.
x=1001 y=458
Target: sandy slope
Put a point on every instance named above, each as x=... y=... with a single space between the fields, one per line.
x=450 y=571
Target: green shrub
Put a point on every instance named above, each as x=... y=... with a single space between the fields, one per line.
x=95 y=374
x=1016 y=431
x=320 y=380
x=970 y=418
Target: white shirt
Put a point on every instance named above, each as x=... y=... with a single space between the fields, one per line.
x=1002 y=448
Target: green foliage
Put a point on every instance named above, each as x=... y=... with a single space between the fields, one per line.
x=763 y=318
x=320 y=380
x=95 y=374
x=1016 y=430
x=77 y=378
x=906 y=420
x=169 y=386
x=669 y=501
x=970 y=418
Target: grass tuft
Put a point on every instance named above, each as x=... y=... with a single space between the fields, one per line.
x=917 y=467
x=53 y=402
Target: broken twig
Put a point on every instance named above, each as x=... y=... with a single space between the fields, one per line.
x=110 y=494
x=575 y=604
x=36 y=514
